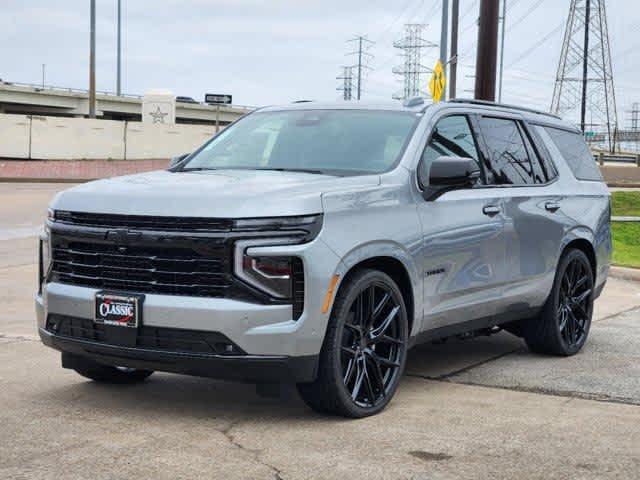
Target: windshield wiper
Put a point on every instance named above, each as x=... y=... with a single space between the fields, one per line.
x=197 y=169
x=301 y=170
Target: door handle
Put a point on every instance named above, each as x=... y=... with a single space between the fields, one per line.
x=551 y=206
x=491 y=210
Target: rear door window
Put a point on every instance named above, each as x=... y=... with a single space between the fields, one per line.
x=509 y=160
x=576 y=153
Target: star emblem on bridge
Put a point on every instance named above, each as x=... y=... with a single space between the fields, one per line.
x=158 y=116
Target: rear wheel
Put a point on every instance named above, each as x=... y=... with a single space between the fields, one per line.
x=364 y=351
x=563 y=326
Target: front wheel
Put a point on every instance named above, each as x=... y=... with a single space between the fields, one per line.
x=364 y=351
x=563 y=325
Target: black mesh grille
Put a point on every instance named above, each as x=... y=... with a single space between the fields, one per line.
x=298 y=288
x=154 y=338
x=163 y=269
x=170 y=224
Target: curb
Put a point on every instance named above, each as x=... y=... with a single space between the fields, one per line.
x=623 y=185
x=625 y=273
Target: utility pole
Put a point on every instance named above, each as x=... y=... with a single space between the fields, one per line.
x=502 y=34
x=92 y=62
x=486 y=58
x=363 y=57
x=444 y=36
x=44 y=66
x=453 y=71
x=119 y=81
x=585 y=66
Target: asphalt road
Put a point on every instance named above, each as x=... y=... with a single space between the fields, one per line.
x=483 y=408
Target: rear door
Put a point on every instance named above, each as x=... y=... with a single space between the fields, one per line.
x=463 y=249
x=521 y=173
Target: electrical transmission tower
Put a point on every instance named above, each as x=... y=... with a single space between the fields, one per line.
x=584 y=82
x=363 y=58
x=412 y=45
x=635 y=116
x=347 y=82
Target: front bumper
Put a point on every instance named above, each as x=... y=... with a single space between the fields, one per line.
x=250 y=368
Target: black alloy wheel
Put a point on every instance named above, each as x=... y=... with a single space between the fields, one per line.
x=574 y=303
x=372 y=345
x=364 y=350
x=563 y=325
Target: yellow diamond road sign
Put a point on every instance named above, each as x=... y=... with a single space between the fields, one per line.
x=438 y=82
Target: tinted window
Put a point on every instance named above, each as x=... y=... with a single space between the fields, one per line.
x=451 y=137
x=335 y=141
x=509 y=161
x=576 y=153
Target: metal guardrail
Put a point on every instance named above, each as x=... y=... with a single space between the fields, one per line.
x=603 y=158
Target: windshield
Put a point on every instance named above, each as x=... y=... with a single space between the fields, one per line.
x=337 y=142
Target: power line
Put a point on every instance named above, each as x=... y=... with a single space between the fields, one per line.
x=532 y=9
x=536 y=45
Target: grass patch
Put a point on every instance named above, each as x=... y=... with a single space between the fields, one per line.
x=625 y=204
x=626 y=243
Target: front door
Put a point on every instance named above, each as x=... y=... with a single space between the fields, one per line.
x=463 y=258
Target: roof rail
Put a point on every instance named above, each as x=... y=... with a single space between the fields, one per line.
x=503 y=105
x=413 y=102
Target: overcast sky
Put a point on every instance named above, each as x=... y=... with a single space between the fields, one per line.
x=276 y=51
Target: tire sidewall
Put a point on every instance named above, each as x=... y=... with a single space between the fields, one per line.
x=566 y=260
x=339 y=315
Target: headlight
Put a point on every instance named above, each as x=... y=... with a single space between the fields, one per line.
x=274 y=275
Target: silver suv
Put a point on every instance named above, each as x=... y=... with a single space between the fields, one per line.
x=315 y=244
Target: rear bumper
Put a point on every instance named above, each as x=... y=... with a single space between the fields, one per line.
x=249 y=368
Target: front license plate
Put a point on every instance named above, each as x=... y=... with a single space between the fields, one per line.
x=118 y=310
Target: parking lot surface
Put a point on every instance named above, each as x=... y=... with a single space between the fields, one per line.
x=482 y=408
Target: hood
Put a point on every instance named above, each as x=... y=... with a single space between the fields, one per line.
x=219 y=193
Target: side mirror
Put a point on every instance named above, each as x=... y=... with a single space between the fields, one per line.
x=176 y=160
x=451 y=173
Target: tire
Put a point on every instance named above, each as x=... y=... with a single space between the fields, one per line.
x=358 y=373
x=108 y=374
x=563 y=325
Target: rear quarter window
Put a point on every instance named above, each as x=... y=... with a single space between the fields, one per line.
x=576 y=153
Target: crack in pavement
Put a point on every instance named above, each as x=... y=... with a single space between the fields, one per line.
x=448 y=375
x=19 y=338
x=277 y=473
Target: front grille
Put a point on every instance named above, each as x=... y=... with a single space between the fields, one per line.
x=167 y=224
x=166 y=268
x=153 y=338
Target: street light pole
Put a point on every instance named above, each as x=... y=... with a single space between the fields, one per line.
x=504 y=26
x=92 y=62
x=487 y=55
x=119 y=82
x=444 y=36
x=453 y=71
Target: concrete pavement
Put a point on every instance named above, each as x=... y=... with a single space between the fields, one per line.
x=483 y=408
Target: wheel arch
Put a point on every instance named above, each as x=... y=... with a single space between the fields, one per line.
x=581 y=239
x=397 y=268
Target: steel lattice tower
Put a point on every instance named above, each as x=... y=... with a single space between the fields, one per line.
x=412 y=45
x=584 y=87
x=347 y=82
